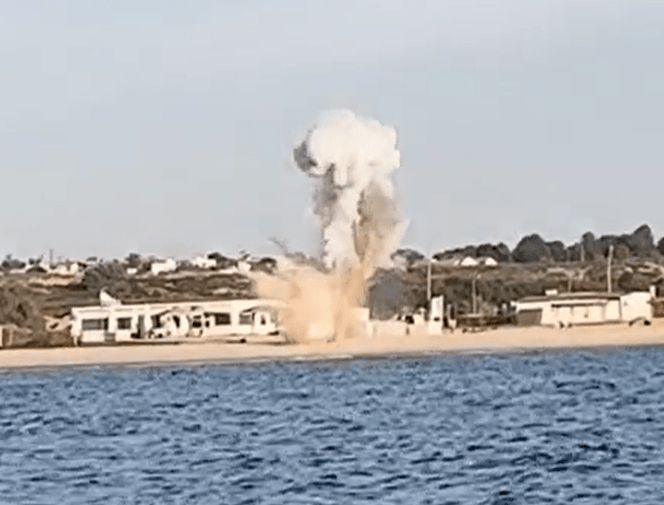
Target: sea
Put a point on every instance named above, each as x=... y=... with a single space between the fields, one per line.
x=573 y=427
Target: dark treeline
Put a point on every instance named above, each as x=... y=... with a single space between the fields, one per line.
x=542 y=265
x=533 y=248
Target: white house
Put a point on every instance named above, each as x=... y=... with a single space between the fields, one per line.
x=468 y=261
x=203 y=262
x=243 y=267
x=115 y=322
x=488 y=261
x=67 y=268
x=571 y=309
x=165 y=266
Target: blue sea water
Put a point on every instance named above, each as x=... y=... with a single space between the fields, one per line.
x=567 y=427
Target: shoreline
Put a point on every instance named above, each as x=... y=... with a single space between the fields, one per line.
x=499 y=341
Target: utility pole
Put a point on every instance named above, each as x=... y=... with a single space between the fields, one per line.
x=608 y=269
x=475 y=295
x=430 y=279
x=429 y=282
x=583 y=250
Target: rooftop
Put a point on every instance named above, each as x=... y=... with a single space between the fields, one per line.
x=586 y=295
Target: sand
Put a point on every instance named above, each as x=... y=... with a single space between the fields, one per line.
x=504 y=340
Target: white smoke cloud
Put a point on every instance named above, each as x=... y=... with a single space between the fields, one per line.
x=353 y=160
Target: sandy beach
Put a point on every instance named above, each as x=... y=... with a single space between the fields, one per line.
x=504 y=340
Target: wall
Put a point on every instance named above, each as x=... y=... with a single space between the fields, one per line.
x=636 y=305
x=586 y=312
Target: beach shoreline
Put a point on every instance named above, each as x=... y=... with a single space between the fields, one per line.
x=497 y=341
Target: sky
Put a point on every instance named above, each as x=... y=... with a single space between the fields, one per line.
x=167 y=127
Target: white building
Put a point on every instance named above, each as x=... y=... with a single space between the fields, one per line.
x=571 y=309
x=67 y=268
x=488 y=261
x=165 y=266
x=203 y=262
x=122 y=323
x=468 y=261
x=244 y=267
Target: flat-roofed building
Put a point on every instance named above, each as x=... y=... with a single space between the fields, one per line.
x=572 y=309
x=206 y=319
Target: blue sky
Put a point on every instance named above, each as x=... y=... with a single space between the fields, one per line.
x=167 y=127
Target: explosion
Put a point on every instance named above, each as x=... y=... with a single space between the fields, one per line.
x=351 y=161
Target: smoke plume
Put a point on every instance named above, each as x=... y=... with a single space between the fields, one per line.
x=350 y=161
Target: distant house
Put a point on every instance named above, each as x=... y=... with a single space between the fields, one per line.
x=447 y=262
x=244 y=267
x=66 y=268
x=204 y=262
x=487 y=261
x=165 y=266
x=468 y=261
x=572 y=309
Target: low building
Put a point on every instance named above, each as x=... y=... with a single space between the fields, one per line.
x=572 y=309
x=66 y=268
x=204 y=262
x=162 y=267
x=468 y=261
x=117 y=322
x=488 y=261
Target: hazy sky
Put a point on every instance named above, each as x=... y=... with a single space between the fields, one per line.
x=167 y=127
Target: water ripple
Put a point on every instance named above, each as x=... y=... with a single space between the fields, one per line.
x=541 y=428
